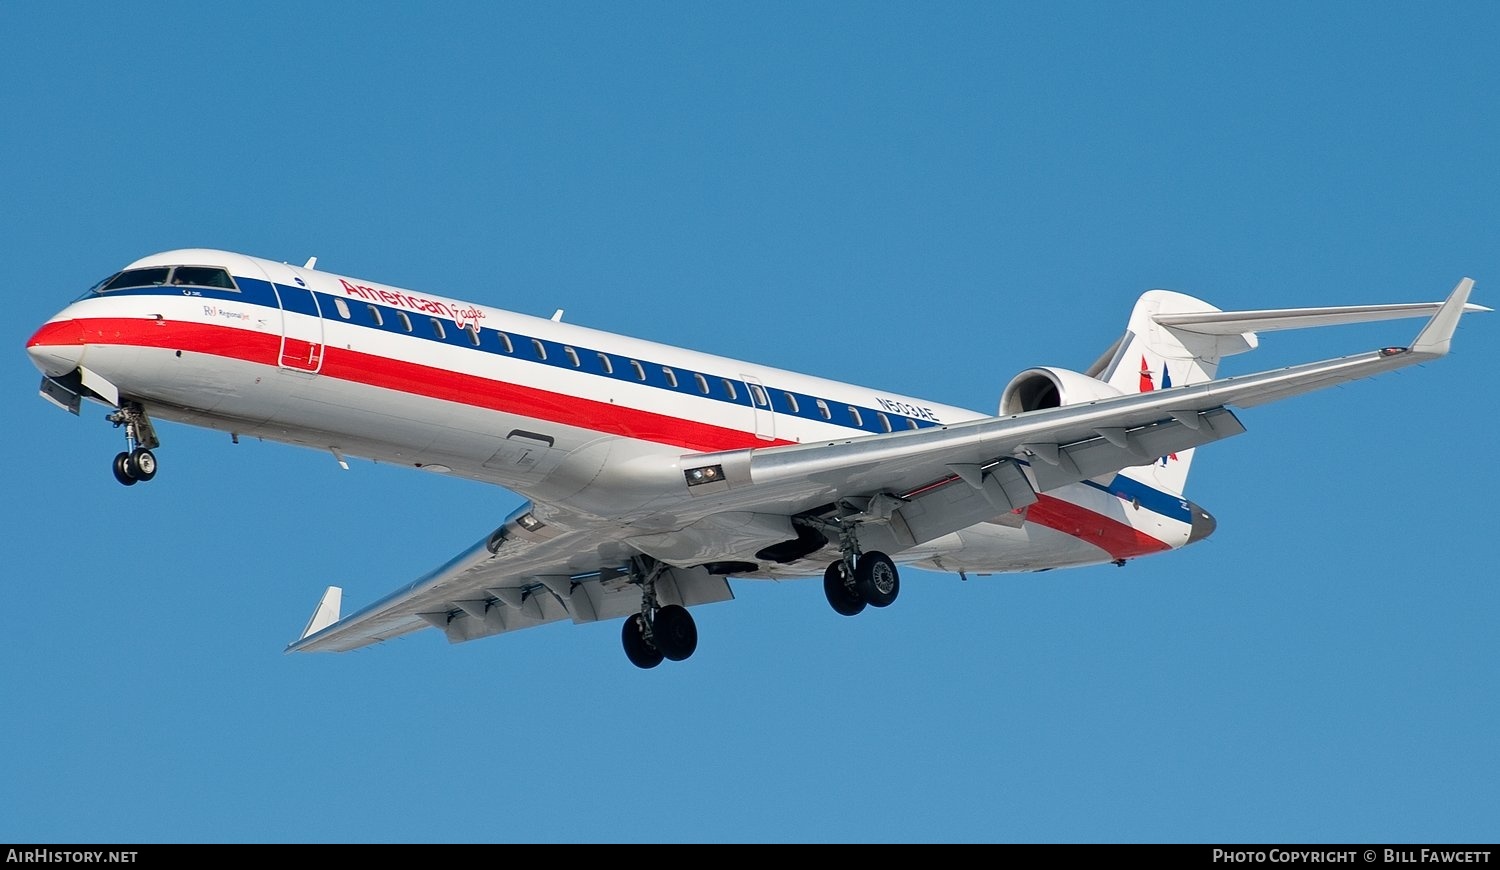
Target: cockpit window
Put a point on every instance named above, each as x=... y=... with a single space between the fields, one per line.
x=188 y=276
x=203 y=276
x=137 y=278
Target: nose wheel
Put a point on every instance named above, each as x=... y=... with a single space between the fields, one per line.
x=137 y=463
x=134 y=466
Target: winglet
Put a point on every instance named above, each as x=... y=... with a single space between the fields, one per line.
x=1436 y=336
x=326 y=614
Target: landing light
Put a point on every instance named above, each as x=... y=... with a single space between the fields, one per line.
x=705 y=474
x=529 y=522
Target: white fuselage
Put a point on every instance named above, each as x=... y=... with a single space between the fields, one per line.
x=594 y=425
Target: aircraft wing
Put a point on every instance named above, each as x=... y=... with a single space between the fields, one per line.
x=524 y=574
x=918 y=485
x=1003 y=462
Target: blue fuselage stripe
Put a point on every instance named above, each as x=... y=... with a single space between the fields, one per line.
x=371 y=315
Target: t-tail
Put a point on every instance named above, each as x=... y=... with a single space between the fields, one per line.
x=1175 y=340
x=1152 y=356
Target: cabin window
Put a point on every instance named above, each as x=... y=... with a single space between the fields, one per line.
x=202 y=276
x=136 y=278
x=885 y=422
x=759 y=396
x=854 y=415
x=729 y=388
x=572 y=356
x=342 y=306
x=437 y=328
x=541 y=349
x=505 y=343
x=702 y=383
x=671 y=377
x=473 y=332
x=640 y=371
x=823 y=410
x=606 y=363
x=791 y=402
x=375 y=314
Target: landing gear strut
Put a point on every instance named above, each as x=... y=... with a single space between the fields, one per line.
x=657 y=632
x=858 y=579
x=137 y=462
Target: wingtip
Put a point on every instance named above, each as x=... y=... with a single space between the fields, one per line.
x=326 y=614
x=1437 y=336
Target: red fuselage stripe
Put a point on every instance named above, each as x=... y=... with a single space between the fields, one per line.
x=1119 y=540
x=1112 y=536
x=410 y=378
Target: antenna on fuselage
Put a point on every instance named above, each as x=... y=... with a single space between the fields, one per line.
x=312 y=263
x=557 y=316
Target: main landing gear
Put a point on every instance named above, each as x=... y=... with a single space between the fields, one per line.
x=857 y=580
x=657 y=632
x=137 y=462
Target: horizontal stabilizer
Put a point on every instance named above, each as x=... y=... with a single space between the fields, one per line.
x=1270 y=319
x=327 y=613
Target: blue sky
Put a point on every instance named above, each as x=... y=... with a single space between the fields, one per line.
x=927 y=198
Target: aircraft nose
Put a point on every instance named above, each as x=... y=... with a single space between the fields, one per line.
x=55 y=349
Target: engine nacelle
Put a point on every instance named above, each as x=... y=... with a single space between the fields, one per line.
x=1048 y=387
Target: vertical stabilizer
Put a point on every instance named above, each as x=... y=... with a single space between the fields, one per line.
x=1152 y=356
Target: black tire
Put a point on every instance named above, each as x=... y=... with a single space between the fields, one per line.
x=640 y=653
x=845 y=601
x=675 y=632
x=876 y=579
x=122 y=470
x=141 y=464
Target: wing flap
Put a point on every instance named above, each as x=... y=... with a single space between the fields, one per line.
x=1094 y=457
x=590 y=601
x=973 y=494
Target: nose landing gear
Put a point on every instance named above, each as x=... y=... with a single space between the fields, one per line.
x=137 y=462
x=134 y=466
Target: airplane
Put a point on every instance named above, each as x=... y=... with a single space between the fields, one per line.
x=654 y=474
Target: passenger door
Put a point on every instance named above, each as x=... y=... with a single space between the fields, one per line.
x=301 y=323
